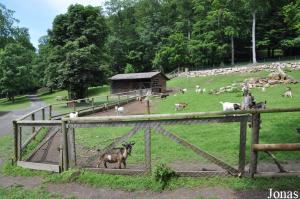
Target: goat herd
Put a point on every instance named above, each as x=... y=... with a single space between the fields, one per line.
x=248 y=101
x=119 y=155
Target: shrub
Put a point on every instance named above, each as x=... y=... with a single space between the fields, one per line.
x=163 y=174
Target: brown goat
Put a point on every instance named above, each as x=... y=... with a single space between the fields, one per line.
x=116 y=155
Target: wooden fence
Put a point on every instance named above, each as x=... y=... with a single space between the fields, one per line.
x=155 y=122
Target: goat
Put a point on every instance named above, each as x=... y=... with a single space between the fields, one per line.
x=163 y=96
x=73 y=115
x=184 y=90
x=200 y=90
x=288 y=93
x=119 y=109
x=260 y=105
x=116 y=155
x=139 y=98
x=229 y=106
x=180 y=106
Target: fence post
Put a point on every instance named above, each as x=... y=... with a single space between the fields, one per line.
x=254 y=140
x=72 y=149
x=43 y=114
x=147 y=138
x=15 y=127
x=107 y=99
x=50 y=112
x=65 y=146
x=148 y=106
x=74 y=105
x=242 y=153
x=20 y=143
x=93 y=104
x=33 y=118
x=118 y=100
x=127 y=98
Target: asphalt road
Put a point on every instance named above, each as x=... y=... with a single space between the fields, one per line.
x=6 y=118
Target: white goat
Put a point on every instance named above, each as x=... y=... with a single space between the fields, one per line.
x=229 y=106
x=200 y=90
x=119 y=109
x=73 y=115
x=180 y=106
x=288 y=93
x=184 y=90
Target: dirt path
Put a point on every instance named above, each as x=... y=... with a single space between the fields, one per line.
x=132 y=108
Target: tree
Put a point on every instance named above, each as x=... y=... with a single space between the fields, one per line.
x=77 y=39
x=15 y=64
x=255 y=7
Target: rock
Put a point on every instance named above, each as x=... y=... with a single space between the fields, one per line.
x=272 y=81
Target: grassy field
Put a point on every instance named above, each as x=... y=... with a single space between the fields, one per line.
x=17 y=192
x=20 y=102
x=221 y=140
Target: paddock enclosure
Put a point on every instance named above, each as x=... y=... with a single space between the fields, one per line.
x=45 y=140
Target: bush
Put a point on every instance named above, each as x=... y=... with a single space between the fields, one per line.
x=163 y=174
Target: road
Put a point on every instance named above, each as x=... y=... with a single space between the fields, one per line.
x=6 y=118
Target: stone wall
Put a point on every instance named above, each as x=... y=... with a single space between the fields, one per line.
x=242 y=69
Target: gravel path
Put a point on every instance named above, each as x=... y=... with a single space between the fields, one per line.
x=6 y=118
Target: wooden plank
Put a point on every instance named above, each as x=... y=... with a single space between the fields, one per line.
x=64 y=132
x=153 y=117
x=276 y=147
x=39 y=166
x=147 y=140
x=201 y=173
x=31 y=138
x=44 y=141
x=242 y=151
x=118 y=171
x=32 y=112
x=15 y=128
x=274 y=174
x=183 y=115
x=93 y=123
x=45 y=123
x=254 y=140
x=198 y=151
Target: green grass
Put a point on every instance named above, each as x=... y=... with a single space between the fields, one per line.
x=20 y=103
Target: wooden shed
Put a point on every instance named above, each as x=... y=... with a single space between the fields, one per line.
x=135 y=81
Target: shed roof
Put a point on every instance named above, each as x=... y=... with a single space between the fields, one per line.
x=135 y=76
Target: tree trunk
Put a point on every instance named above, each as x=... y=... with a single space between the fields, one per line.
x=189 y=30
x=253 y=37
x=232 y=50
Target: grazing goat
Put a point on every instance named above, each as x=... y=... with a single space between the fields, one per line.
x=229 y=106
x=119 y=109
x=200 y=90
x=73 y=115
x=180 y=106
x=116 y=155
x=288 y=93
x=184 y=90
x=163 y=96
x=260 y=105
